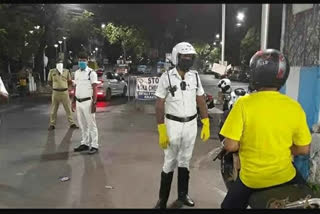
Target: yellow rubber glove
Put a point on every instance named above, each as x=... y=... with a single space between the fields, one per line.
x=163 y=137
x=205 y=132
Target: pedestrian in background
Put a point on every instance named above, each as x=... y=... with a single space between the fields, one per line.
x=22 y=77
x=60 y=79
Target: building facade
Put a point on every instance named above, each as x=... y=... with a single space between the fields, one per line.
x=302 y=47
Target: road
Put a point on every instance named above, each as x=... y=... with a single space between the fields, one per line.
x=129 y=160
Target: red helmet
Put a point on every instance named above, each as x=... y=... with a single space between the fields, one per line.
x=268 y=68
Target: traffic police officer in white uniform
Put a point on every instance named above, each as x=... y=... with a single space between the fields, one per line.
x=85 y=99
x=178 y=94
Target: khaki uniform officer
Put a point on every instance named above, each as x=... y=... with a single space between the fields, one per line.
x=59 y=79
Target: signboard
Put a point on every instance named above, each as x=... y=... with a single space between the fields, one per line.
x=146 y=88
x=220 y=69
x=298 y=8
x=168 y=57
x=225 y=63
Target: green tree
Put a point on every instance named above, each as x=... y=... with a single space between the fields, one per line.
x=206 y=53
x=129 y=37
x=81 y=29
x=14 y=33
x=249 y=45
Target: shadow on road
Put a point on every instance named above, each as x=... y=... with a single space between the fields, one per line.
x=94 y=193
x=41 y=186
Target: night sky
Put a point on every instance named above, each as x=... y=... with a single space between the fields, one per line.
x=192 y=22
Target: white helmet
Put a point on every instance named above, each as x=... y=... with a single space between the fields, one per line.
x=181 y=48
x=235 y=95
x=224 y=84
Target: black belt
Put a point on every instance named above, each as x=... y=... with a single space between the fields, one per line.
x=83 y=99
x=180 y=119
x=60 y=89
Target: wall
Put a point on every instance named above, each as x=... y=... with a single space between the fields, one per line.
x=302 y=47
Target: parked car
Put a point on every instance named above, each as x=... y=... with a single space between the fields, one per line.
x=111 y=84
x=142 y=68
x=121 y=69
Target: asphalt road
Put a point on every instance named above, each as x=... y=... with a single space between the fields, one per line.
x=32 y=159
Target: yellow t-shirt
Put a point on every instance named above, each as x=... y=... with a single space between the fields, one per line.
x=266 y=124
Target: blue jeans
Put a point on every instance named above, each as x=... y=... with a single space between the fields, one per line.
x=301 y=162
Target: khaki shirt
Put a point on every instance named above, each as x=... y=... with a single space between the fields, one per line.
x=59 y=81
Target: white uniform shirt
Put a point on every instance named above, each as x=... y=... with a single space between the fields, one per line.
x=3 y=89
x=83 y=84
x=183 y=104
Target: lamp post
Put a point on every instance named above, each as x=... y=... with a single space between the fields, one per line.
x=264 y=26
x=96 y=53
x=64 y=44
x=56 y=46
x=60 y=42
x=223 y=32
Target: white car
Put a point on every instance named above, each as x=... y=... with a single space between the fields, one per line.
x=110 y=84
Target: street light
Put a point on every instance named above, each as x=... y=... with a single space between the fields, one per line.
x=240 y=16
x=217 y=36
x=238 y=24
x=60 y=42
x=56 y=46
x=103 y=25
x=64 y=44
x=214 y=43
x=37 y=27
x=96 y=49
x=31 y=31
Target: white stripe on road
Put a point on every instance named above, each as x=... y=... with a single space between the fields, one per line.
x=198 y=162
x=221 y=192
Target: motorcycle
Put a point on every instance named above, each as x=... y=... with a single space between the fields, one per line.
x=286 y=196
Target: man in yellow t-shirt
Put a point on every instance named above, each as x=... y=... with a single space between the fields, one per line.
x=267 y=128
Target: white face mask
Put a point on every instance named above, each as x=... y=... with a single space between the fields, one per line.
x=59 y=67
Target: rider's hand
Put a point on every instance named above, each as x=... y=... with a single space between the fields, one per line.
x=163 y=137
x=205 y=132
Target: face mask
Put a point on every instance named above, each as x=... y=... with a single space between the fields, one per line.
x=185 y=64
x=82 y=65
x=59 y=67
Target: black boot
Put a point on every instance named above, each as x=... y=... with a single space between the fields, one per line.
x=183 y=186
x=165 y=186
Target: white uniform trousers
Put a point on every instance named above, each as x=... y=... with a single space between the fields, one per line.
x=182 y=137
x=87 y=124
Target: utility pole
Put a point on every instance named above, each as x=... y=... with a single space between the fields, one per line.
x=223 y=32
x=283 y=27
x=264 y=26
